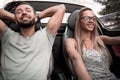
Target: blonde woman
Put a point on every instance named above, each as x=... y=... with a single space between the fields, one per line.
x=91 y=59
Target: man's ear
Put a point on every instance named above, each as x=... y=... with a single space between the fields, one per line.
x=36 y=19
x=16 y=22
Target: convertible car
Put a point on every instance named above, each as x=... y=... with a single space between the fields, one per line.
x=61 y=66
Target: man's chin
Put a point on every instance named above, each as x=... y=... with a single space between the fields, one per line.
x=25 y=25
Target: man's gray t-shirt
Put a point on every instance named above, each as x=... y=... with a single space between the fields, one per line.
x=26 y=58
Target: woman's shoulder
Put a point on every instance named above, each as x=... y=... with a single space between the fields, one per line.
x=71 y=41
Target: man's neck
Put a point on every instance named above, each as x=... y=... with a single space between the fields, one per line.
x=25 y=32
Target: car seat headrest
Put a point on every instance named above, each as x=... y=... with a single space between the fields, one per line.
x=72 y=19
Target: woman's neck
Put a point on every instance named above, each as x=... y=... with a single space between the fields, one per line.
x=86 y=36
x=87 y=40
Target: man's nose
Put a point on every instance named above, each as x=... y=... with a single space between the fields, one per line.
x=24 y=13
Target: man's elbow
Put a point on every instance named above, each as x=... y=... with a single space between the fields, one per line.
x=62 y=7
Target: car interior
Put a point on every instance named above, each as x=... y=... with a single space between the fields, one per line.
x=61 y=67
x=110 y=25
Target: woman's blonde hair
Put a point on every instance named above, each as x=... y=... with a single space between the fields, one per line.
x=97 y=42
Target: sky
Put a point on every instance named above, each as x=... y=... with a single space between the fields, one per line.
x=89 y=3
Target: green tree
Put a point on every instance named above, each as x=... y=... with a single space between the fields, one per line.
x=111 y=6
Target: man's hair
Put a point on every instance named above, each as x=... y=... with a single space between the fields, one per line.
x=26 y=3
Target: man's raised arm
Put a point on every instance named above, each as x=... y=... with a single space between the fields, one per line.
x=5 y=15
x=56 y=13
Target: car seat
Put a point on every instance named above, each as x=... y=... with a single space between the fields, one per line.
x=69 y=33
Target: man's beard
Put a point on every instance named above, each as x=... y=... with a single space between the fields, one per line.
x=26 y=24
